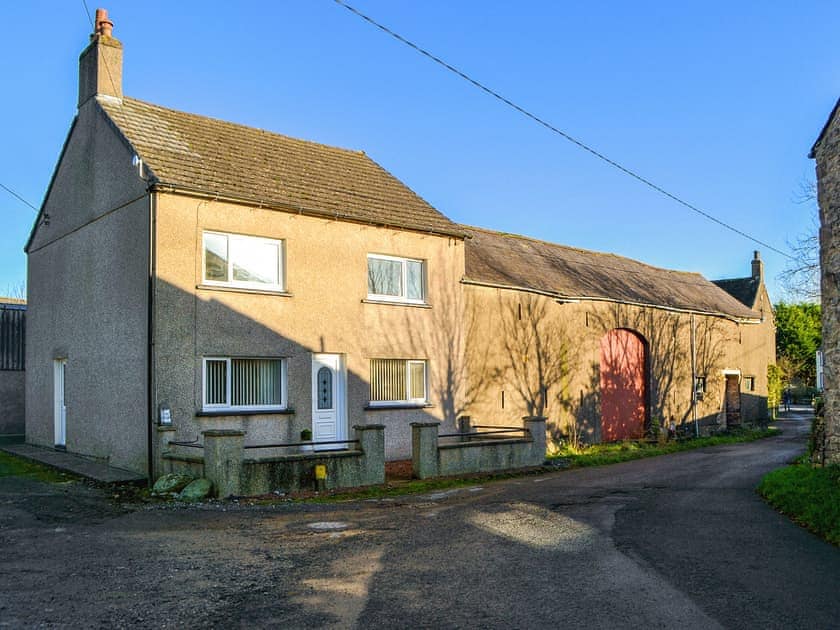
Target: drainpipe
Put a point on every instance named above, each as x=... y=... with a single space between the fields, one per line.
x=150 y=332
x=694 y=377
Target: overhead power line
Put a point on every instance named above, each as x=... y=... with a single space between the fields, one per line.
x=17 y=196
x=560 y=132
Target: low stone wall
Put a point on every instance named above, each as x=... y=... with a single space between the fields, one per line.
x=224 y=463
x=431 y=459
x=344 y=469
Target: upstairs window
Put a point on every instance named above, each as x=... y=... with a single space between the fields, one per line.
x=246 y=384
x=398 y=381
x=248 y=262
x=395 y=279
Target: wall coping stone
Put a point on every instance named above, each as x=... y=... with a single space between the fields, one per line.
x=296 y=457
x=425 y=424
x=368 y=427
x=474 y=443
x=223 y=433
x=192 y=459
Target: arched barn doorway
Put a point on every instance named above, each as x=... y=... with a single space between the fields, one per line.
x=623 y=385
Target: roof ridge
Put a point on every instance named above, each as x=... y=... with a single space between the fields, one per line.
x=744 y=279
x=581 y=249
x=214 y=120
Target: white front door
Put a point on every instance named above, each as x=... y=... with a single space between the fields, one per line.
x=60 y=408
x=329 y=406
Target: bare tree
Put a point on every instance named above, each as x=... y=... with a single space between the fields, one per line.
x=16 y=290
x=801 y=275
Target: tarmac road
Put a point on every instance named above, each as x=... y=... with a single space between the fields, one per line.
x=680 y=541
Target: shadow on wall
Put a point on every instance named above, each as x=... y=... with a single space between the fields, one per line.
x=584 y=425
x=192 y=327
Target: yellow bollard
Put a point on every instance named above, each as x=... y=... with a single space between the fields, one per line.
x=320 y=476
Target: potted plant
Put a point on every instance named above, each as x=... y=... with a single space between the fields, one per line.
x=306 y=436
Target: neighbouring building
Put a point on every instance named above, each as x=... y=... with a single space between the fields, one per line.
x=12 y=365
x=187 y=274
x=826 y=152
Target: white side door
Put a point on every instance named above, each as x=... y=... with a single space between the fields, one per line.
x=329 y=422
x=60 y=408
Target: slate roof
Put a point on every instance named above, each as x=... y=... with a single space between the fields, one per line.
x=745 y=290
x=196 y=153
x=517 y=262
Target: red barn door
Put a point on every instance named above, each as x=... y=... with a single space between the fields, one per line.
x=622 y=386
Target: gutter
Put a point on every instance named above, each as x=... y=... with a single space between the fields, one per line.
x=566 y=299
x=168 y=187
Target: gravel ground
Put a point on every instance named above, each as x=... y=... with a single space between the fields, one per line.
x=674 y=541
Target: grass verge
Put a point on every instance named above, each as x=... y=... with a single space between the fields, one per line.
x=810 y=496
x=13 y=466
x=602 y=454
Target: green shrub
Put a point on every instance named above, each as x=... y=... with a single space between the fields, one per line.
x=808 y=495
x=774 y=387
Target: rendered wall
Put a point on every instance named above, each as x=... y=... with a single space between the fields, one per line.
x=87 y=294
x=326 y=275
x=529 y=355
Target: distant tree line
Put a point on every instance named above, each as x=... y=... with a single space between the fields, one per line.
x=798 y=337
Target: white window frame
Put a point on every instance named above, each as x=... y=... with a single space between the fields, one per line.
x=257 y=286
x=402 y=299
x=409 y=402
x=205 y=406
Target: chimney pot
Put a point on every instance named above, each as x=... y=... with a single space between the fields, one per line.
x=103 y=26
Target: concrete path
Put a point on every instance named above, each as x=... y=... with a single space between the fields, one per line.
x=77 y=464
x=680 y=541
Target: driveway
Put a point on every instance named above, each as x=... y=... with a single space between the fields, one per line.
x=674 y=541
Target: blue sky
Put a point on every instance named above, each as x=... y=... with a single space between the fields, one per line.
x=718 y=102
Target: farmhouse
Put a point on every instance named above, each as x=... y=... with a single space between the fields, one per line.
x=190 y=277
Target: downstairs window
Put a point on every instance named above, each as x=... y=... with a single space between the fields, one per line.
x=244 y=383
x=398 y=381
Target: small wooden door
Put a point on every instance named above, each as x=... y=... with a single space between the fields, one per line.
x=329 y=422
x=733 y=400
x=60 y=406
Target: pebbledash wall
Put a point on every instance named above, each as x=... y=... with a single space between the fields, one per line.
x=826 y=151
x=325 y=310
x=572 y=333
x=87 y=279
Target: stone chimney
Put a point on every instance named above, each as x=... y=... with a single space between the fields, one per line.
x=100 y=64
x=757 y=267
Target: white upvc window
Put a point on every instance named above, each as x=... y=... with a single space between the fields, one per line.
x=249 y=262
x=247 y=384
x=398 y=381
x=394 y=279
